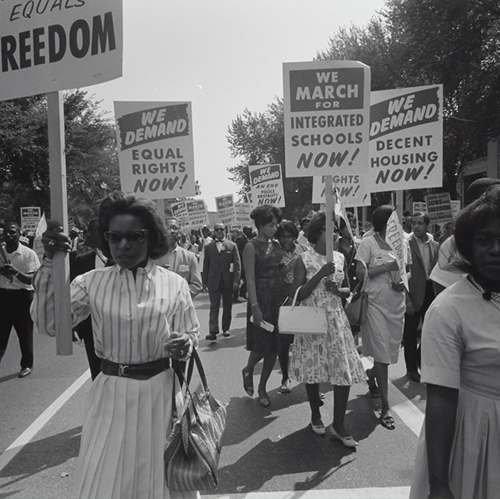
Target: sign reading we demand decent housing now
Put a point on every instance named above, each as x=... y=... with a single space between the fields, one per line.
x=51 y=45
x=155 y=149
x=406 y=137
x=327 y=105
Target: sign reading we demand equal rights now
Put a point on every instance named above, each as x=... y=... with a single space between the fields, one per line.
x=326 y=106
x=53 y=45
x=406 y=139
x=155 y=149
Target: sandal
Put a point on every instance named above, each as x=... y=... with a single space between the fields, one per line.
x=388 y=422
x=284 y=388
x=247 y=382
x=372 y=386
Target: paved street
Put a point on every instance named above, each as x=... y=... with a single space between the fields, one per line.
x=267 y=453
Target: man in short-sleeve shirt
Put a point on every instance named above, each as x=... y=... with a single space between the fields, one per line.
x=16 y=295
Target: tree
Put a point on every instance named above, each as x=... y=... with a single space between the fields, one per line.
x=453 y=42
x=258 y=138
x=91 y=156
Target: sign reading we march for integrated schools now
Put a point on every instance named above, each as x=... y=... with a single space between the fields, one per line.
x=155 y=149
x=30 y=217
x=351 y=189
x=53 y=45
x=406 y=138
x=327 y=106
x=266 y=183
x=225 y=209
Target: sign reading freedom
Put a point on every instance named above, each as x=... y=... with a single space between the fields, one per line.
x=51 y=45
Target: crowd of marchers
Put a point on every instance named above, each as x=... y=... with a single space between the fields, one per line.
x=133 y=280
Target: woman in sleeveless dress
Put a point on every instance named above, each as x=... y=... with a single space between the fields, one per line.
x=261 y=259
x=331 y=357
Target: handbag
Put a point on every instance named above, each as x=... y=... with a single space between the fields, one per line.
x=356 y=308
x=194 y=445
x=294 y=319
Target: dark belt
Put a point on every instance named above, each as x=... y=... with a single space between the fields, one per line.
x=135 y=371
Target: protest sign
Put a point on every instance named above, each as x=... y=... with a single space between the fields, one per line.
x=439 y=207
x=350 y=188
x=242 y=214
x=419 y=207
x=30 y=217
x=197 y=213
x=213 y=218
x=266 y=182
x=455 y=208
x=326 y=105
x=155 y=149
x=53 y=45
x=180 y=213
x=406 y=139
x=396 y=240
x=225 y=209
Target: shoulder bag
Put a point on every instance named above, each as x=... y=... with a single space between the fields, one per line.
x=295 y=319
x=193 y=448
x=356 y=308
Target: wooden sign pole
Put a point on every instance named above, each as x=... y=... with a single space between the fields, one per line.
x=59 y=212
x=329 y=217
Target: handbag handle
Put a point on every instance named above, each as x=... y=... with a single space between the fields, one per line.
x=294 y=302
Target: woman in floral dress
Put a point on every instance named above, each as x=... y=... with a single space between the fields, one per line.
x=330 y=357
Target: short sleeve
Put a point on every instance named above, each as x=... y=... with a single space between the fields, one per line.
x=442 y=346
x=364 y=251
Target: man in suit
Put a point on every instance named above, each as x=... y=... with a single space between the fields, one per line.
x=424 y=254
x=221 y=275
x=81 y=264
x=180 y=260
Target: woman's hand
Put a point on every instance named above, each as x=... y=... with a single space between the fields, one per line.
x=54 y=239
x=177 y=346
x=327 y=269
x=257 y=315
x=333 y=287
x=399 y=286
x=391 y=266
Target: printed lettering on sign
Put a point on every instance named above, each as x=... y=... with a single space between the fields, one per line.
x=326 y=108
x=266 y=183
x=155 y=149
x=50 y=45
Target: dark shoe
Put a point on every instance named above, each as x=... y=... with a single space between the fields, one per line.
x=247 y=382
x=285 y=388
x=24 y=372
x=388 y=422
x=414 y=376
x=211 y=337
x=226 y=334
x=264 y=400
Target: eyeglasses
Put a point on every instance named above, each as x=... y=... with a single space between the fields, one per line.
x=133 y=236
x=218 y=230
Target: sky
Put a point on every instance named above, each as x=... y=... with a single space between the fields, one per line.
x=223 y=56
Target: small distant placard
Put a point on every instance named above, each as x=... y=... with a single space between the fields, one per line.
x=439 y=207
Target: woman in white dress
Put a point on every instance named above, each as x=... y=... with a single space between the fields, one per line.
x=142 y=317
x=458 y=455
x=330 y=357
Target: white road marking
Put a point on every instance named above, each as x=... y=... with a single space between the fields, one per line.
x=367 y=493
x=41 y=421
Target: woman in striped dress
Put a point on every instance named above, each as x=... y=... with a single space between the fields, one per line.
x=142 y=317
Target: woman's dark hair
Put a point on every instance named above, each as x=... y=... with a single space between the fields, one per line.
x=303 y=222
x=287 y=226
x=118 y=203
x=315 y=226
x=264 y=214
x=380 y=217
x=472 y=218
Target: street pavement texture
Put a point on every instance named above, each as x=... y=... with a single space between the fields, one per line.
x=268 y=453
